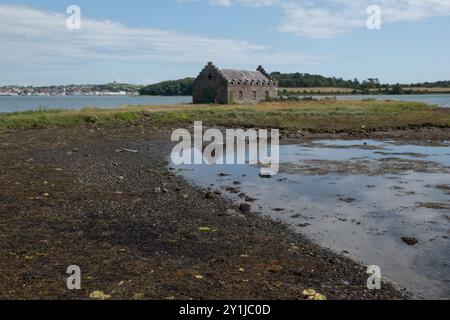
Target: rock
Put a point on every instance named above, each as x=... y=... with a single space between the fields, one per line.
x=130 y=151
x=304 y=225
x=165 y=191
x=127 y=150
x=224 y=174
x=91 y=119
x=231 y=212
x=245 y=207
x=240 y=216
x=99 y=295
x=210 y=195
x=232 y=190
x=311 y=294
x=157 y=190
x=249 y=199
x=410 y=241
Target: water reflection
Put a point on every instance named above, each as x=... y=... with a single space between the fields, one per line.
x=373 y=194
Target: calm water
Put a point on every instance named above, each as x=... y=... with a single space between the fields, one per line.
x=442 y=100
x=359 y=198
x=25 y=103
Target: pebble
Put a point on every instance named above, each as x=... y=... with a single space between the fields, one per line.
x=245 y=207
x=410 y=241
x=210 y=195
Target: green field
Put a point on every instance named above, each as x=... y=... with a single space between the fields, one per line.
x=306 y=115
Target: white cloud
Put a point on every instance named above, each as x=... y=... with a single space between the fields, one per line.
x=251 y=3
x=37 y=39
x=328 y=18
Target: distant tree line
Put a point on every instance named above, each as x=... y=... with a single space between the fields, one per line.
x=181 y=87
x=305 y=80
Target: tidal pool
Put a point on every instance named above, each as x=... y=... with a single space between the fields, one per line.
x=358 y=198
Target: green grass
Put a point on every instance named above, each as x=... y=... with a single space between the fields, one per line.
x=306 y=115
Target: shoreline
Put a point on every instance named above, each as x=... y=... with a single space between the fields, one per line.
x=74 y=195
x=131 y=239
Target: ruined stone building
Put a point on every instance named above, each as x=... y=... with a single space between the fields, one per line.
x=214 y=85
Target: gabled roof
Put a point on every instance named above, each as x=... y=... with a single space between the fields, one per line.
x=260 y=76
x=243 y=75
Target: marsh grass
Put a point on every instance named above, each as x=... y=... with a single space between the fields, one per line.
x=306 y=115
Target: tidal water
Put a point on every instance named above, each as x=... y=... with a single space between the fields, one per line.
x=27 y=103
x=358 y=198
x=442 y=100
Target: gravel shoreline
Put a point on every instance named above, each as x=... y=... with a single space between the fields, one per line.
x=104 y=199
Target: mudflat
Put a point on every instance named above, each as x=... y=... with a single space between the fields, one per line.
x=104 y=199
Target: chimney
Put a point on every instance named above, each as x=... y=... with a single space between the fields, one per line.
x=261 y=69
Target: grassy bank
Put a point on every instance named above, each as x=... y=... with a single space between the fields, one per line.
x=307 y=115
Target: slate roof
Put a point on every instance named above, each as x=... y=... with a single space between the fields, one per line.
x=243 y=75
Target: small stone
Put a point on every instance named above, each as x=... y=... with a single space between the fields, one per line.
x=410 y=241
x=210 y=195
x=157 y=190
x=130 y=151
x=245 y=207
x=231 y=212
x=92 y=119
x=311 y=294
x=99 y=295
x=304 y=225
x=223 y=175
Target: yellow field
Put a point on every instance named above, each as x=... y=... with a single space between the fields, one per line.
x=324 y=90
x=332 y=90
x=429 y=89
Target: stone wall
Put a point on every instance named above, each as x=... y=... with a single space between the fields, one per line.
x=248 y=93
x=210 y=86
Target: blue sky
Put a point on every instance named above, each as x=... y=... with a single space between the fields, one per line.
x=149 y=41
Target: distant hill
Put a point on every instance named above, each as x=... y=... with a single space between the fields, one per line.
x=181 y=87
x=116 y=87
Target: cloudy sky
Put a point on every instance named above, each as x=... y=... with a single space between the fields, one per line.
x=143 y=41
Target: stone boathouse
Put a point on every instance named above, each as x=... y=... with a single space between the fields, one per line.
x=214 y=85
